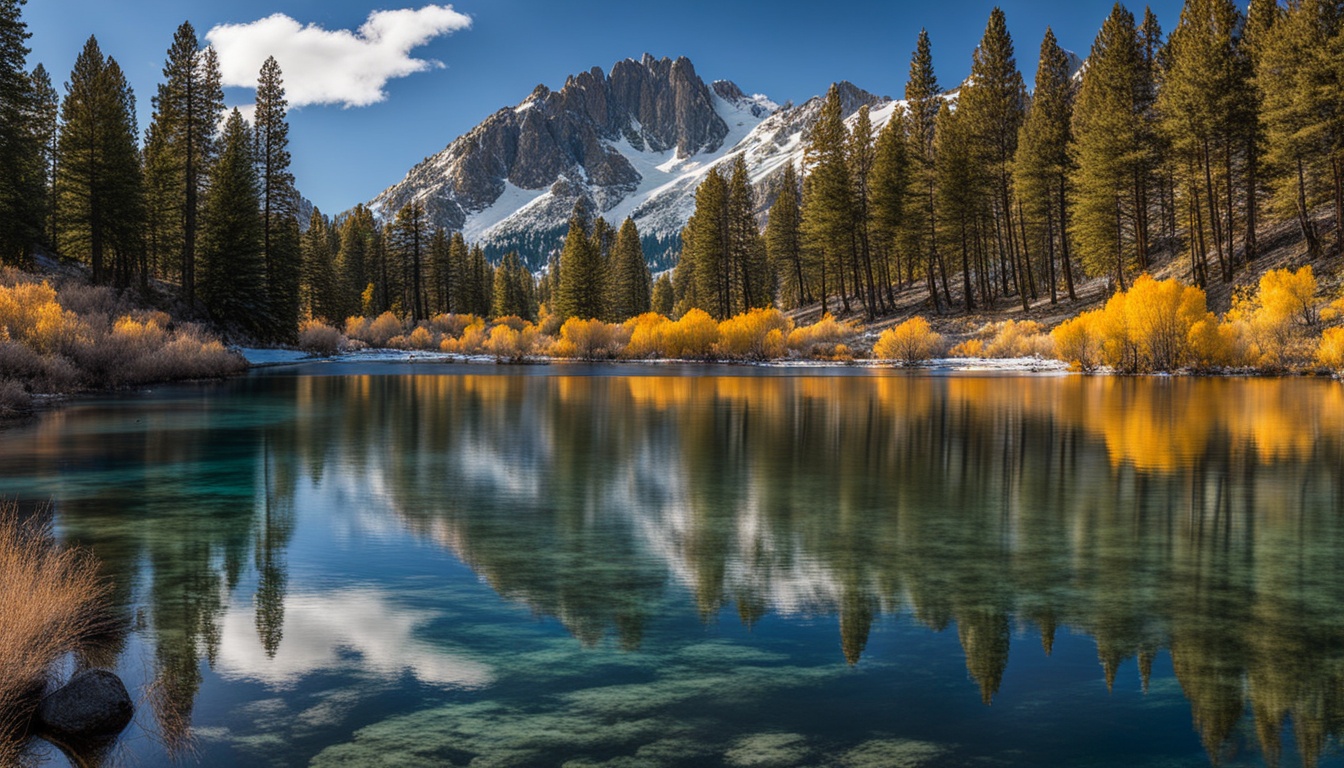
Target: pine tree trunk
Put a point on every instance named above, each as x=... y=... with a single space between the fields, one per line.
x=1214 y=227
x=1026 y=253
x=966 y=269
x=1338 y=169
x=1064 y=254
x=1252 y=204
x=1050 y=253
x=1304 y=215
x=1231 y=210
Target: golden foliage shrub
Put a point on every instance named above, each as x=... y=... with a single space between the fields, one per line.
x=512 y=321
x=691 y=337
x=52 y=603
x=648 y=338
x=1008 y=339
x=1078 y=341
x=318 y=338
x=1277 y=320
x=910 y=342
x=1330 y=350
x=1159 y=315
x=757 y=334
x=821 y=338
x=589 y=340
x=508 y=343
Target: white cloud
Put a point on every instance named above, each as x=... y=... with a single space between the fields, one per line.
x=322 y=66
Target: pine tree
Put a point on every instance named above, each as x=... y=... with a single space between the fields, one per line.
x=958 y=196
x=183 y=133
x=1206 y=107
x=1106 y=123
x=482 y=283
x=888 y=189
x=994 y=106
x=22 y=170
x=860 y=156
x=354 y=260
x=513 y=291
x=1261 y=17
x=408 y=239
x=99 y=174
x=749 y=273
x=1042 y=165
x=783 y=241
x=279 y=200
x=629 y=282
x=828 y=211
x=580 y=288
x=923 y=98
x=46 y=124
x=321 y=297
x=440 y=271
x=233 y=267
x=459 y=271
x=1299 y=80
x=664 y=297
x=704 y=249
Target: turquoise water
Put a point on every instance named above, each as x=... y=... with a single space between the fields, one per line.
x=645 y=566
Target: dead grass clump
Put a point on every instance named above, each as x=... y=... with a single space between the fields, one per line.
x=1008 y=339
x=821 y=339
x=14 y=399
x=318 y=338
x=52 y=603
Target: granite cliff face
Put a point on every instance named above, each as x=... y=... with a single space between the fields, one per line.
x=636 y=142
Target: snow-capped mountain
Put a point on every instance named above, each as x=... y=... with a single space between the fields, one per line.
x=634 y=142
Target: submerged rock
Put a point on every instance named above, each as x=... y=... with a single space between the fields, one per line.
x=94 y=706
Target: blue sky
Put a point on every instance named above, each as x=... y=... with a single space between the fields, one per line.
x=347 y=154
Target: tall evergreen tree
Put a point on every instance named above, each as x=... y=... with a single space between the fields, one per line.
x=1042 y=165
x=279 y=199
x=994 y=105
x=664 y=297
x=888 y=189
x=704 y=249
x=1261 y=17
x=22 y=171
x=1205 y=104
x=580 y=289
x=749 y=272
x=101 y=203
x=828 y=209
x=957 y=197
x=233 y=267
x=629 y=282
x=860 y=156
x=440 y=272
x=408 y=238
x=321 y=294
x=513 y=289
x=46 y=125
x=923 y=98
x=1106 y=123
x=182 y=146
x=354 y=260
x=783 y=241
x=1299 y=77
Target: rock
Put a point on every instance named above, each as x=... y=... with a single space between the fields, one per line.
x=94 y=706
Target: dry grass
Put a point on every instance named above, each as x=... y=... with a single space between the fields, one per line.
x=52 y=603
x=318 y=338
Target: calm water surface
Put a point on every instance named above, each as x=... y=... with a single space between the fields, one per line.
x=656 y=566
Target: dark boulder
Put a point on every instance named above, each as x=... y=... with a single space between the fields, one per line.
x=94 y=706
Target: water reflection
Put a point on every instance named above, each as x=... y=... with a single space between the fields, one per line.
x=1197 y=517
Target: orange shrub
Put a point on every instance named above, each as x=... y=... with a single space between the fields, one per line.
x=647 y=336
x=1159 y=316
x=589 y=339
x=1012 y=338
x=1330 y=350
x=1078 y=341
x=691 y=337
x=757 y=334
x=910 y=342
x=506 y=343
x=820 y=337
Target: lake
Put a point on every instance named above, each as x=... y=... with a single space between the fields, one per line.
x=640 y=565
